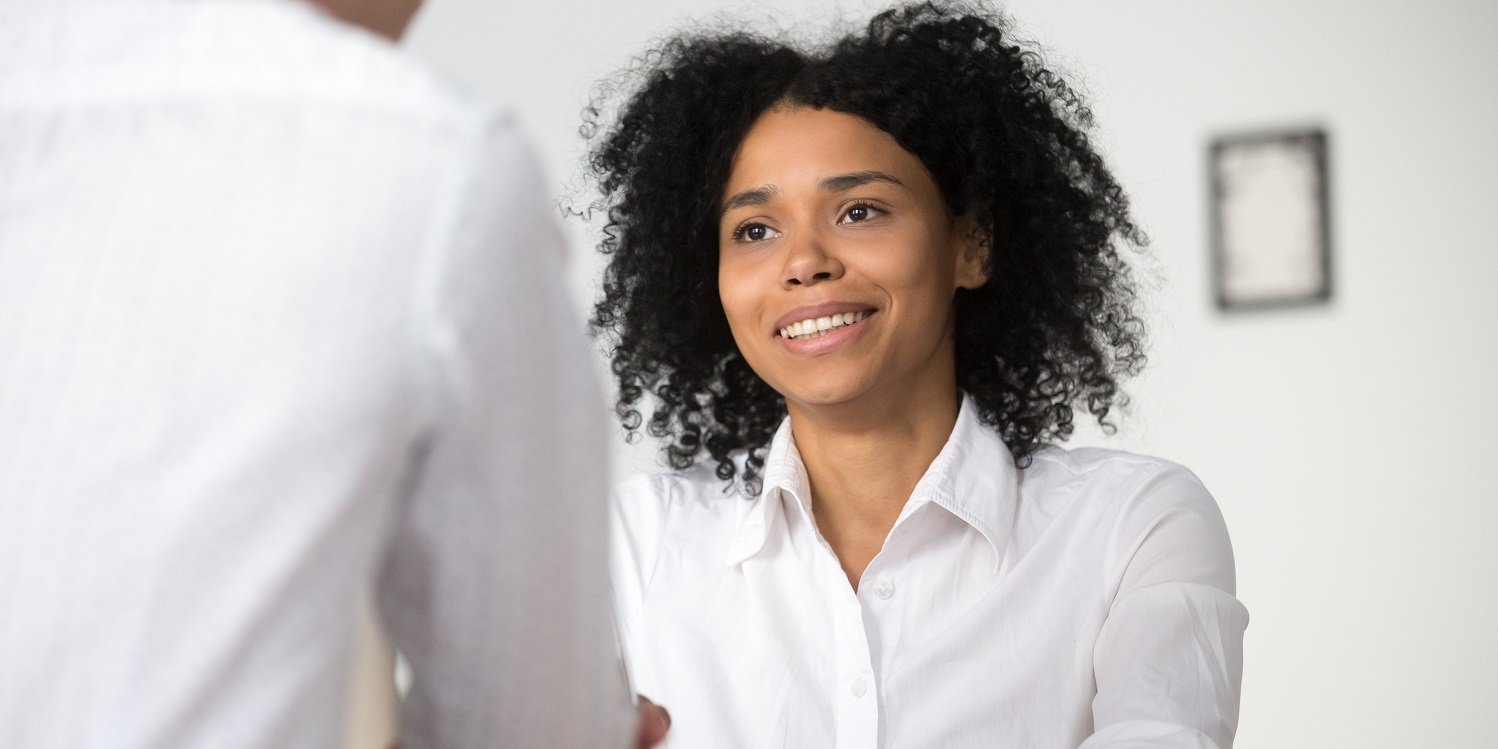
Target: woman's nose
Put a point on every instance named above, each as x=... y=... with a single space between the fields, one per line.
x=808 y=262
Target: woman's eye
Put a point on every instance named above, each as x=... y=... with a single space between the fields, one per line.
x=753 y=233
x=858 y=213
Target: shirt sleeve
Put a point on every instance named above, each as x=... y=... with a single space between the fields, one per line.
x=495 y=586
x=1169 y=658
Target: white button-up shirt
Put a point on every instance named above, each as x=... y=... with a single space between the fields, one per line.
x=1087 y=600
x=280 y=311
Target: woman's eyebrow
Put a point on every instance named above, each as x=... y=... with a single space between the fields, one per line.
x=835 y=183
x=844 y=182
x=754 y=196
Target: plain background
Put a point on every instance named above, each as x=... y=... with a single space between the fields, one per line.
x=1349 y=444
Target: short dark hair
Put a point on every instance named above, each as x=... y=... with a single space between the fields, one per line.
x=1005 y=140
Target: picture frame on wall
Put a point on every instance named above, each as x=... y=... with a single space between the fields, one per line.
x=1270 y=222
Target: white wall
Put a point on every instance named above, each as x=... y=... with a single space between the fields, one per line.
x=1347 y=444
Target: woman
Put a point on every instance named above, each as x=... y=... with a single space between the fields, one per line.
x=864 y=288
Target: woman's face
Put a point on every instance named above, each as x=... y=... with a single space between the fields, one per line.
x=838 y=263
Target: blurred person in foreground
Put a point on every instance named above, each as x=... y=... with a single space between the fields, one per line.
x=864 y=288
x=282 y=322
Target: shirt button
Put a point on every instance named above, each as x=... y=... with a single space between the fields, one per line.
x=883 y=589
x=860 y=687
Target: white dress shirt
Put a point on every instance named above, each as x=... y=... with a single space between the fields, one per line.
x=1086 y=600
x=281 y=321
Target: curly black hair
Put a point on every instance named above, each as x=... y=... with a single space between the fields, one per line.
x=1005 y=140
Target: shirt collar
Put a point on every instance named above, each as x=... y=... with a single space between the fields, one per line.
x=973 y=477
x=783 y=472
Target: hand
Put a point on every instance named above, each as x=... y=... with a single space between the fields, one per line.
x=654 y=722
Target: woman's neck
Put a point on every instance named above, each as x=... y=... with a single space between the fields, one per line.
x=863 y=465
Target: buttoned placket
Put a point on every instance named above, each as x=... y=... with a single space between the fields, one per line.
x=856 y=691
x=855 y=694
x=862 y=617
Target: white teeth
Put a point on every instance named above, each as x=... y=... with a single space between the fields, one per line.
x=817 y=327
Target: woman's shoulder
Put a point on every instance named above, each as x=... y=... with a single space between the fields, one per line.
x=691 y=512
x=1117 y=479
x=1080 y=460
x=1148 y=516
x=695 y=492
x=698 y=482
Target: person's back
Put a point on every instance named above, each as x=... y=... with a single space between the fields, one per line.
x=269 y=295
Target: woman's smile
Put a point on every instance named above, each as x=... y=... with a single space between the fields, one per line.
x=814 y=336
x=812 y=323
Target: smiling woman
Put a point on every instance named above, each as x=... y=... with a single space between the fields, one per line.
x=869 y=284
x=847 y=246
x=1002 y=138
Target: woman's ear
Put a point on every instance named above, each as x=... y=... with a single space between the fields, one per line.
x=973 y=247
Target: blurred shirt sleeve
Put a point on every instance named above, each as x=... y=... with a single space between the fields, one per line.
x=495 y=588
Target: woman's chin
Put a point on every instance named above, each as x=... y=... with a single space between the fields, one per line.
x=824 y=396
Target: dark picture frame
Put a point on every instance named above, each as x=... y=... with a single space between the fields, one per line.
x=1270 y=220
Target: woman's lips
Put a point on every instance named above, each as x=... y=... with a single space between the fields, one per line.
x=816 y=327
x=814 y=339
x=806 y=317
